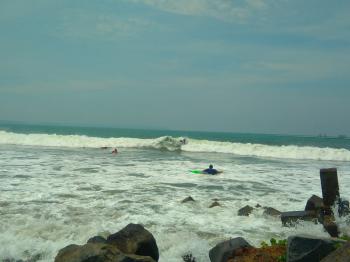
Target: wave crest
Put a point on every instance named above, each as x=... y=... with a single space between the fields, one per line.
x=175 y=144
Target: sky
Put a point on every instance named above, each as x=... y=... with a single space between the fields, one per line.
x=257 y=66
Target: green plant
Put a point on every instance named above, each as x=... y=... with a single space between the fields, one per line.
x=264 y=244
x=345 y=237
x=282 y=258
x=274 y=242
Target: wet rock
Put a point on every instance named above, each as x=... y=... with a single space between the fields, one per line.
x=245 y=211
x=97 y=252
x=271 y=211
x=257 y=205
x=97 y=239
x=222 y=251
x=188 y=258
x=135 y=239
x=187 y=199
x=215 y=204
x=291 y=217
x=309 y=249
x=314 y=203
x=341 y=254
x=263 y=254
x=330 y=226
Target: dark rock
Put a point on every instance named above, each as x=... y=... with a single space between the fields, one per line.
x=309 y=249
x=68 y=249
x=222 y=251
x=341 y=254
x=257 y=205
x=215 y=204
x=97 y=252
x=245 y=211
x=314 y=203
x=188 y=258
x=97 y=239
x=271 y=211
x=187 y=199
x=135 y=239
x=330 y=226
x=291 y=217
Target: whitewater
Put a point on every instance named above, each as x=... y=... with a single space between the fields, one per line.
x=58 y=188
x=173 y=144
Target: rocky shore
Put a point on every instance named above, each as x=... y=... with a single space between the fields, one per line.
x=134 y=243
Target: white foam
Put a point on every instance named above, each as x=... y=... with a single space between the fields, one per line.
x=172 y=144
x=51 y=198
x=260 y=150
x=79 y=141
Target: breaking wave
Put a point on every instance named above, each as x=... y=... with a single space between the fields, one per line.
x=175 y=144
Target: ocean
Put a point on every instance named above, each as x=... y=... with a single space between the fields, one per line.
x=58 y=186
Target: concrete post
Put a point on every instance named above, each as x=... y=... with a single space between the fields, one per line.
x=330 y=186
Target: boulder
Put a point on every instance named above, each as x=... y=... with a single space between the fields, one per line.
x=264 y=254
x=291 y=217
x=97 y=239
x=187 y=199
x=222 y=251
x=245 y=211
x=135 y=239
x=215 y=204
x=309 y=249
x=271 y=212
x=97 y=252
x=341 y=254
x=314 y=203
x=330 y=226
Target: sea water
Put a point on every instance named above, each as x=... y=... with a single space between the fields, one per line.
x=59 y=187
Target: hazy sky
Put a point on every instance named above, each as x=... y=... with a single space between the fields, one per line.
x=262 y=66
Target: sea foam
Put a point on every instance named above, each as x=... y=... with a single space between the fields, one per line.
x=174 y=144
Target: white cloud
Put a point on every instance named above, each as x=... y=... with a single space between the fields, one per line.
x=227 y=10
x=85 y=24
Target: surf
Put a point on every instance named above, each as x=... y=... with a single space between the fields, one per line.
x=170 y=143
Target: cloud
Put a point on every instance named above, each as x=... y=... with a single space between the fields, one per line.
x=97 y=25
x=231 y=11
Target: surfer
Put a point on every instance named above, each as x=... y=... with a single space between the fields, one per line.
x=183 y=141
x=210 y=170
x=115 y=151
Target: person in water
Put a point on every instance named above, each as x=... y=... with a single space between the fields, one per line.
x=115 y=151
x=210 y=170
x=183 y=141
